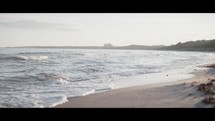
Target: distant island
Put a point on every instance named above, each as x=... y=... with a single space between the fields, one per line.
x=198 y=45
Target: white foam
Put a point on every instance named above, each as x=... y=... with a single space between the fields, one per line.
x=22 y=57
x=153 y=78
x=32 y=57
x=89 y=92
x=62 y=81
x=61 y=101
x=38 y=57
x=49 y=101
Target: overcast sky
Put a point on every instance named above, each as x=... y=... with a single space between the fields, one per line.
x=96 y=29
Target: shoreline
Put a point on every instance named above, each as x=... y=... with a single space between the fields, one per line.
x=176 y=94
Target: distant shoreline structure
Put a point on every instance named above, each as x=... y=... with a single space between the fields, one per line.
x=198 y=45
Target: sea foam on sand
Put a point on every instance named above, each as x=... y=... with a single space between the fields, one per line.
x=180 y=94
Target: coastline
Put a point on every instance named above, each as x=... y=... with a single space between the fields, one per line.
x=176 y=94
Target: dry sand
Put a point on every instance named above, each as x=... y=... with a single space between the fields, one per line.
x=178 y=94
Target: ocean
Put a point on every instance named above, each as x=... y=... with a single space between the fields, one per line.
x=37 y=78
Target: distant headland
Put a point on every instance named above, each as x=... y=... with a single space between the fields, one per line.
x=198 y=45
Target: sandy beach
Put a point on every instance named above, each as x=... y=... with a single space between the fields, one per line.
x=177 y=94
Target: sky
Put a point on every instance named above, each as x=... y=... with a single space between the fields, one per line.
x=96 y=29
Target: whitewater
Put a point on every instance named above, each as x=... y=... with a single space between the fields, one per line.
x=33 y=77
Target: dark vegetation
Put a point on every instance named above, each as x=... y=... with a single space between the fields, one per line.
x=199 y=45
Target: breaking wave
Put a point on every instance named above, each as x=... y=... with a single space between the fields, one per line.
x=45 y=53
x=21 y=57
x=24 y=57
x=59 y=79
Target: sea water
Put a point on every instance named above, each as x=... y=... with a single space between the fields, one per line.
x=33 y=77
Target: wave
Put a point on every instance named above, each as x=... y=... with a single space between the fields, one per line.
x=59 y=79
x=89 y=92
x=109 y=87
x=37 y=53
x=62 y=100
x=47 y=78
x=22 y=57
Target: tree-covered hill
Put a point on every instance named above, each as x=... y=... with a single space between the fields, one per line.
x=199 y=45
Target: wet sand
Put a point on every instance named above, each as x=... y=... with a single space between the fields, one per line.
x=177 y=94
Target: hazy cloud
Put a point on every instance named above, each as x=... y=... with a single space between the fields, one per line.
x=37 y=25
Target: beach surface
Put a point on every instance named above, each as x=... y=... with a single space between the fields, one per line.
x=177 y=94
